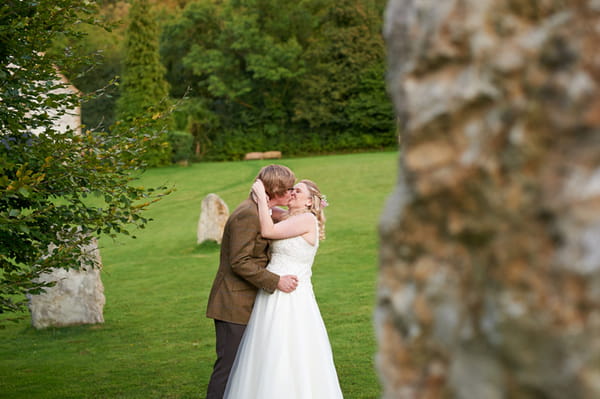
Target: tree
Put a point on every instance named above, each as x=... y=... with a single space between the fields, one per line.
x=248 y=62
x=103 y=47
x=57 y=188
x=144 y=88
x=306 y=76
x=344 y=93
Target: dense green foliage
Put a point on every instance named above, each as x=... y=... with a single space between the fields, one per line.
x=101 y=46
x=253 y=75
x=144 y=88
x=300 y=77
x=48 y=174
x=181 y=146
x=155 y=341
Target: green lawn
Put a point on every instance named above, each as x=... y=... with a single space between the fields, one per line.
x=156 y=341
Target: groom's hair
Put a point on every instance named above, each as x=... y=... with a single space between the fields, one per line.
x=277 y=179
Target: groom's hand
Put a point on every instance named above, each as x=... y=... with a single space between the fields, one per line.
x=287 y=283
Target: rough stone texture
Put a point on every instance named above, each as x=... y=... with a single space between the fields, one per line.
x=213 y=215
x=69 y=118
x=489 y=283
x=77 y=297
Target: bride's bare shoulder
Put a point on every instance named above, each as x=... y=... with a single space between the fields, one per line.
x=304 y=217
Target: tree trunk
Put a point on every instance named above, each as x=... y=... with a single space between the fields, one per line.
x=489 y=283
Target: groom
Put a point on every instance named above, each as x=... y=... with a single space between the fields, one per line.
x=242 y=271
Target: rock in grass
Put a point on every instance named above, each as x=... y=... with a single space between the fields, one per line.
x=213 y=215
x=76 y=298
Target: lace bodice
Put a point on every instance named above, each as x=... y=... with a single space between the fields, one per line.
x=293 y=256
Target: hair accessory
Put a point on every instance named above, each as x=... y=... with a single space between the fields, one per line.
x=324 y=203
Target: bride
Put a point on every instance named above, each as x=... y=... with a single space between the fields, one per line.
x=285 y=351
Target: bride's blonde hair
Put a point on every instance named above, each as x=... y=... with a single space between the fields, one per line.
x=318 y=203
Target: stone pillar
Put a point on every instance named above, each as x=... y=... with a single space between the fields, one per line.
x=489 y=283
x=76 y=298
x=213 y=216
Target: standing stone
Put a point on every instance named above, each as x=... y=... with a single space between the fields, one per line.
x=213 y=215
x=489 y=282
x=77 y=297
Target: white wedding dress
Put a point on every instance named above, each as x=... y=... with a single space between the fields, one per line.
x=285 y=351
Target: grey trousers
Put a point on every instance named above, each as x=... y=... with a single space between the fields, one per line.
x=228 y=337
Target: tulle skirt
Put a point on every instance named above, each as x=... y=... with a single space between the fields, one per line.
x=285 y=351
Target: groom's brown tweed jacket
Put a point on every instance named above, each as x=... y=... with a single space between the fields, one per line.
x=242 y=267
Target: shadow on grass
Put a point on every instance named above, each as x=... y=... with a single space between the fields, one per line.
x=206 y=248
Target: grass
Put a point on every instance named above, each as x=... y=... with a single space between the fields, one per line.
x=156 y=341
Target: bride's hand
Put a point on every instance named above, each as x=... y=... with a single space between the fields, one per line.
x=258 y=191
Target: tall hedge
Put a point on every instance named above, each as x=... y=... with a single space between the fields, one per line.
x=144 y=87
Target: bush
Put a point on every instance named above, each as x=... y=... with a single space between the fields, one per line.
x=181 y=146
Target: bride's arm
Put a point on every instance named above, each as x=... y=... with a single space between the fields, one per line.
x=292 y=227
